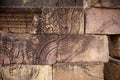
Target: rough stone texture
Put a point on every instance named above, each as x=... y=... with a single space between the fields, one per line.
x=48 y=21
x=35 y=50
x=26 y=72
x=103 y=21
x=17 y=23
x=40 y=3
x=102 y=3
x=83 y=48
x=114 y=43
x=78 y=72
x=60 y=21
x=112 y=71
x=42 y=49
x=22 y=36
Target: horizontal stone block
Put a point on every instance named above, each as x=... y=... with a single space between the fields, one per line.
x=35 y=50
x=114 y=44
x=83 y=48
x=40 y=4
x=103 y=3
x=48 y=21
x=98 y=21
x=26 y=72
x=112 y=71
x=78 y=72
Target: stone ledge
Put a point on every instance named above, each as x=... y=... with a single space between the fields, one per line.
x=28 y=4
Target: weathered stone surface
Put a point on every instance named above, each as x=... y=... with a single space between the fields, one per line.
x=114 y=44
x=22 y=36
x=35 y=50
x=18 y=23
x=112 y=71
x=60 y=21
x=102 y=3
x=16 y=17
x=11 y=49
x=78 y=72
x=42 y=49
x=103 y=21
x=83 y=48
x=40 y=3
x=26 y=72
x=48 y=21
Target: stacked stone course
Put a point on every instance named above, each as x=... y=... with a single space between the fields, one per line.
x=59 y=39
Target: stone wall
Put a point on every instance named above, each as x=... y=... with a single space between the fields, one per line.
x=59 y=39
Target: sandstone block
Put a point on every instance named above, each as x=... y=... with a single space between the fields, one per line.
x=26 y=72
x=98 y=21
x=83 y=48
x=48 y=21
x=78 y=72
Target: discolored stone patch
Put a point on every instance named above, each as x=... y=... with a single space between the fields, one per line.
x=103 y=3
x=83 y=48
x=112 y=71
x=78 y=71
x=40 y=4
x=102 y=21
x=26 y=72
x=114 y=43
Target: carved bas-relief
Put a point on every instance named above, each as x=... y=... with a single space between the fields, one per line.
x=37 y=50
x=36 y=4
x=60 y=21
